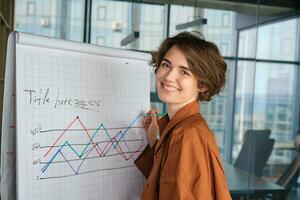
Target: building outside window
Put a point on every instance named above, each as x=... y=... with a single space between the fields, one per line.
x=226 y=19
x=101 y=41
x=30 y=8
x=101 y=13
x=224 y=48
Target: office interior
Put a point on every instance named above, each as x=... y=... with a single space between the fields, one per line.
x=255 y=119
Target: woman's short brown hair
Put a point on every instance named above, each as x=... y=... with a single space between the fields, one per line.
x=204 y=60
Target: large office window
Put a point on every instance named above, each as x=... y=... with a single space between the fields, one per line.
x=62 y=19
x=266 y=85
x=263 y=101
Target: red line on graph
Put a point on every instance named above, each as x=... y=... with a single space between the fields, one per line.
x=111 y=143
x=104 y=150
x=122 y=152
x=60 y=136
x=95 y=146
x=90 y=137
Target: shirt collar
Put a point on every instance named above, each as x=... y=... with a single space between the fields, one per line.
x=165 y=124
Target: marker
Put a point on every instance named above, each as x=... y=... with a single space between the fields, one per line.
x=157 y=115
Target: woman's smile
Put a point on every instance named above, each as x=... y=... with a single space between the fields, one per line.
x=169 y=88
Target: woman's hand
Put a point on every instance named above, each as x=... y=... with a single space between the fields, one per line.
x=151 y=127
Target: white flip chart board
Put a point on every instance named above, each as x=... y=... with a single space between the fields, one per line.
x=78 y=118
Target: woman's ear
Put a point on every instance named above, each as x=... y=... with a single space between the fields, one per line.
x=202 y=88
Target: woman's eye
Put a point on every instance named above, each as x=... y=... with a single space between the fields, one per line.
x=183 y=72
x=164 y=65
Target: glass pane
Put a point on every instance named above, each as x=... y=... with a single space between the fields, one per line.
x=267 y=103
x=243 y=108
x=151 y=27
x=274 y=99
x=112 y=21
x=278 y=41
x=62 y=19
x=179 y=15
x=219 y=28
x=274 y=109
x=247 y=43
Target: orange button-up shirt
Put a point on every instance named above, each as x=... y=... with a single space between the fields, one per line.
x=185 y=162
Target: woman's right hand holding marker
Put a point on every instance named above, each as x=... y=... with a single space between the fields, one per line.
x=151 y=126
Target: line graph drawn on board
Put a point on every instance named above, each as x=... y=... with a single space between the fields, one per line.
x=110 y=145
x=79 y=121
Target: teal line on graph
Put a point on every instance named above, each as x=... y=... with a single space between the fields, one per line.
x=114 y=144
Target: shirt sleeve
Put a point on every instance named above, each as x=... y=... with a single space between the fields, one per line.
x=144 y=162
x=192 y=170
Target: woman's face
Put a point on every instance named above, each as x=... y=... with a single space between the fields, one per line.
x=174 y=81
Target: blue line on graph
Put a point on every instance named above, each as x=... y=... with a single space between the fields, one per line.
x=66 y=143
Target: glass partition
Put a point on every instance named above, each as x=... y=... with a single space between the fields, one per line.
x=277 y=91
x=267 y=98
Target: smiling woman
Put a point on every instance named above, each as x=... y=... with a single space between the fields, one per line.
x=176 y=85
x=202 y=58
x=182 y=160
